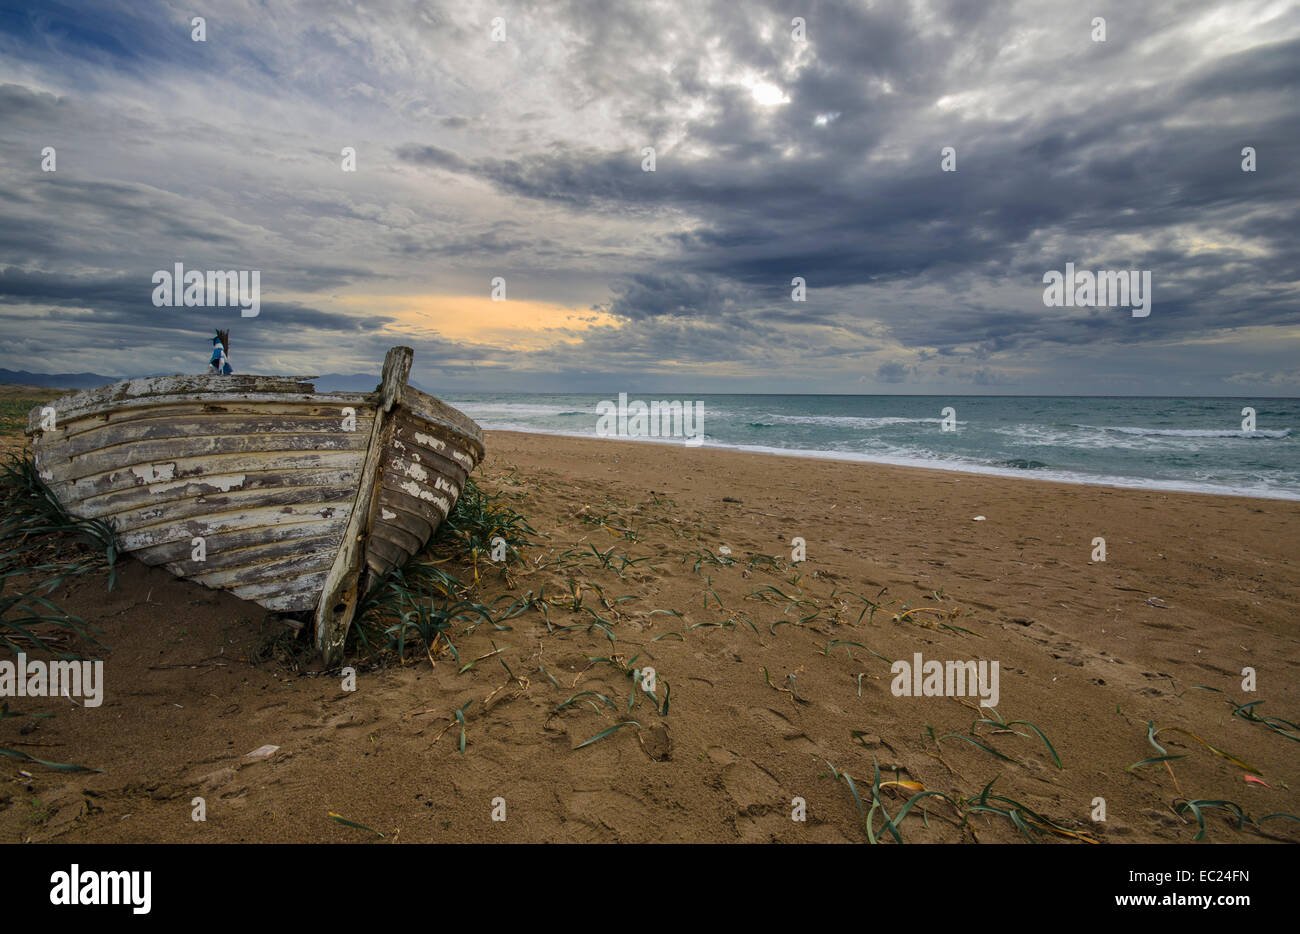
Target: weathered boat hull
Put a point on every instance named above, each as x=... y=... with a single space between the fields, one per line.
x=259 y=485
x=431 y=452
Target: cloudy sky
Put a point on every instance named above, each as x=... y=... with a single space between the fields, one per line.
x=775 y=157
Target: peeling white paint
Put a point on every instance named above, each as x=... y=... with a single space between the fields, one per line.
x=416 y=471
x=419 y=492
x=387 y=514
x=224 y=484
x=155 y=472
x=429 y=441
x=413 y=488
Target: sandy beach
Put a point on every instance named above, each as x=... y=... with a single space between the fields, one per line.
x=772 y=672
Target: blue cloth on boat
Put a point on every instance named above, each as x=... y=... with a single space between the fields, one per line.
x=219 y=363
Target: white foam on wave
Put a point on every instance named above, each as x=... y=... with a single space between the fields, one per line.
x=478 y=410
x=852 y=421
x=1129 y=439
x=1264 y=433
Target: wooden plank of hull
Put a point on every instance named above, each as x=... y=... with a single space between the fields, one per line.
x=308 y=586
x=397 y=537
x=293 y=579
x=409 y=493
x=100 y=437
x=392 y=546
x=295 y=602
x=424 y=408
x=143 y=517
x=437 y=461
x=262 y=568
x=422 y=484
x=151 y=460
x=140 y=393
x=215 y=485
x=406 y=512
x=416 y=523
x=438 y=444
x=285 y=593
x=246 y=546
x=278 y=560
x=261 y=406
x=259 y=519
x=382 y=556
x=269 y=564
x=184 y=470
x=432 y=451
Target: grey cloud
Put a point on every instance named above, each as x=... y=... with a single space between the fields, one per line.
x=1068 y=150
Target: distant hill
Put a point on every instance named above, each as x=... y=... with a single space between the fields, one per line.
x=55 y=380
x=346 y=382
x=353 y=382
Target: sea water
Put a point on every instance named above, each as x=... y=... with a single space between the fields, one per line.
x=1192 y=444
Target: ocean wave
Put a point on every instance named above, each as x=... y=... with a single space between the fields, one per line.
x=852 y=421
x=1260 y=433
x=1244 y=485
x=489 y=409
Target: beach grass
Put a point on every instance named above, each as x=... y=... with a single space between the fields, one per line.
x=420 y=606
x=43 y=547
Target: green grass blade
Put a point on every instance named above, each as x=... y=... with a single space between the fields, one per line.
x=603 y=733
x=57 y=766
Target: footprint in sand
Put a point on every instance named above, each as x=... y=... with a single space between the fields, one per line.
x=270 y=711
x=1169 y=627
x=720 y=756
x=656 y=743
x=782 y=727
x=751 y=786
x=609 y=811
x=775 y=721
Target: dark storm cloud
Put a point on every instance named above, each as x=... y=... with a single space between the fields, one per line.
x=775 y=160
x=128 y=299
x=1272 y=68
x=19 y=104
x=668 y=295
x=432 y=156
x=1104 y=164
x=891 y=373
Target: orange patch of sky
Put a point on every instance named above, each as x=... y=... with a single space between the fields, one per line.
x=512 y=324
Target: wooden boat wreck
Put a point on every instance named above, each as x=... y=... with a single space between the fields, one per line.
x=259 y=485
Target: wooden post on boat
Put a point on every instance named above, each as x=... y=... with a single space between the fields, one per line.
x=339 y=595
